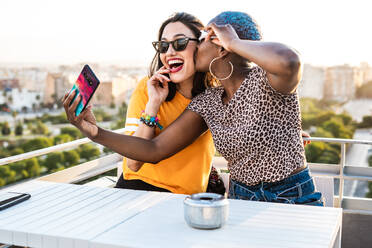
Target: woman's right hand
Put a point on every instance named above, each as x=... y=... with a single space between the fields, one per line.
x=85 y=121
x=157 y=87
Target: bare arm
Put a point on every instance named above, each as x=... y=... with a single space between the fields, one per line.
x=281 y=63
x=181 y=133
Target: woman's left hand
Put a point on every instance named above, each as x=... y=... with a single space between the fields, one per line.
x=225 y=34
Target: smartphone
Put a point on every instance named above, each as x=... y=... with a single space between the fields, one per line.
x=8 y=199
x=86 y=84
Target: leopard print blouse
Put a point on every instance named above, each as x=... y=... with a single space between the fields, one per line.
x=258 y=131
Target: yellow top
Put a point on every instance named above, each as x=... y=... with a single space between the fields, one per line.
x=186 y=172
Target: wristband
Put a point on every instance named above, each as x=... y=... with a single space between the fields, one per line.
x=150 y=121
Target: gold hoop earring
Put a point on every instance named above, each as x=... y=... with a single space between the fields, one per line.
x=220 y=79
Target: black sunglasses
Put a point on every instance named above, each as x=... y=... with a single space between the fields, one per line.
x=178 y=44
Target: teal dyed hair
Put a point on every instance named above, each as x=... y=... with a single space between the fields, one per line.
x=245 y=26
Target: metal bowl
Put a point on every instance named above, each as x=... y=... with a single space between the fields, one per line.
x=206 y=210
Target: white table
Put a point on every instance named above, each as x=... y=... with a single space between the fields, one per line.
x=66 y=215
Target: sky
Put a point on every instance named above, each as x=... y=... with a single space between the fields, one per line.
x=120 y=32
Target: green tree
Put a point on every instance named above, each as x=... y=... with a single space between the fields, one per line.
x=20 y=169
x=333 y=126
x=324 y=116
x=14 y=115
x=320 y=132
x=40 y=128
x=314 y=150
x=16 y=151
x=19 y=129
x=4 y=153
x=29 y=124
x=44 y=118
x=71 y=158
x=119 y=124
x=101 y=115
x=62 y=138
x=5 y=130
x=366 y=122
x=33 y=167
x=2 y=182
x=328 y=124
x=53 y=161
x=37 y=143
x=369 y=193
x=107 y=150
x=4 y=171
x=72 y=131
x=60 y=119
x=329 y=156
x=346 y=118
x=7 y=174
x=88 y=152
x=122 y=112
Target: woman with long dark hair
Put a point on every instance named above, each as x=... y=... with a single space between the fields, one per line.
x=165 y=94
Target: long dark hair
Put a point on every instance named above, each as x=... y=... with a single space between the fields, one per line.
x=195 y=26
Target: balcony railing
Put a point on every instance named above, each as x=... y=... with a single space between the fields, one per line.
x=340 y=171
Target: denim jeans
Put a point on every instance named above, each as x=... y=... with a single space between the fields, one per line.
x=295 y=189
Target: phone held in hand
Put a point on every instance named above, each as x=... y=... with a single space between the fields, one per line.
x=86 y=84
x=8 y=199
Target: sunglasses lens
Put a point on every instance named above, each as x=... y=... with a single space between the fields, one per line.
x=163 y=47
x=180 y=44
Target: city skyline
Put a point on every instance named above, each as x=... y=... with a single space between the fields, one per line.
x=42 y=32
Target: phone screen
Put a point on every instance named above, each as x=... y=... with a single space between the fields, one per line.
x=86 y=84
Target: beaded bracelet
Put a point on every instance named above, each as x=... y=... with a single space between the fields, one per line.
x=150 y=121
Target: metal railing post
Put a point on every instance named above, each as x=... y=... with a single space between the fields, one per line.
x=342 y=166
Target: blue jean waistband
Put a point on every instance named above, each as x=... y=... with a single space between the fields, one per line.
x=300 y=176
x=295 y=189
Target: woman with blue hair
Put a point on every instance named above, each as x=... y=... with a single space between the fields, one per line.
x=253 y=115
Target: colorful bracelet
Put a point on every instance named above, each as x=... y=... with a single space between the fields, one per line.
x=150 y=121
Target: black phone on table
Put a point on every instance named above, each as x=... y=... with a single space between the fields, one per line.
x=8 y=199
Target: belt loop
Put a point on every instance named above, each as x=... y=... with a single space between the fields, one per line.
x=262 y=191
x=299 y=189
x=232 y=187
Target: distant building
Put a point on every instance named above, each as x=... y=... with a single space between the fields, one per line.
x=21 y=99
x=366 y=72
x=8 y=84
x=32 y=79
x=104 y=94
x=312 y=82
x=337 y=83
x=341 y=82
x=116 y=91
x=55 y=88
